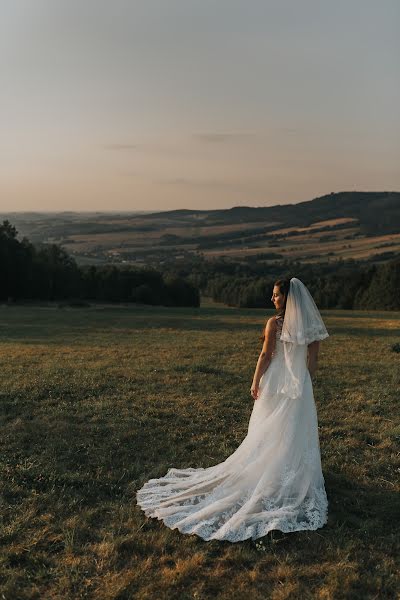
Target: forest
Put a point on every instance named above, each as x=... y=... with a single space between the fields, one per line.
x=45 y=271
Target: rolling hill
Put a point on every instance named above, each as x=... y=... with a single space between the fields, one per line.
x=363 y=226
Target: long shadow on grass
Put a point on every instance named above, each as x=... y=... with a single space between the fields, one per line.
x=360 y=506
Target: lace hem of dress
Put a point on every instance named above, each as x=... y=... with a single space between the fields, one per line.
x=311 y=514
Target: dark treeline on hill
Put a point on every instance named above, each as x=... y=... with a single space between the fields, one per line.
x=47 y=272
x=340 y=284
x=376 y=287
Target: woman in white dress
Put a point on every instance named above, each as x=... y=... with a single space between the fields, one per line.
x=274 y=479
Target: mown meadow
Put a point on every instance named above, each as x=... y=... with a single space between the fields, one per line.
x=95 y=401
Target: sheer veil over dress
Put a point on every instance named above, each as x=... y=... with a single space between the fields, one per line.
x=274 y=479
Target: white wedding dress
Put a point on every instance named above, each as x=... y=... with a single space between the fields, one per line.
x=273 y=480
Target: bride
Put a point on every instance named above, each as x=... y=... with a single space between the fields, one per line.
x=273 y=480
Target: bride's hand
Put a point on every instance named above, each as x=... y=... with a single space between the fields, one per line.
x=254 y=391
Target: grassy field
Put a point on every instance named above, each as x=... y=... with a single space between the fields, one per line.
x=95 y=401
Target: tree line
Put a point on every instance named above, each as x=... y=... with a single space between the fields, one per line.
x=376 y=287
x=341 y=284
x=48 y=272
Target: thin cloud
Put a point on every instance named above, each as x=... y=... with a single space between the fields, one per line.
x=148 y=148
x=179 y=181
x=201 y=183
x=121 y=146
x=217 y=138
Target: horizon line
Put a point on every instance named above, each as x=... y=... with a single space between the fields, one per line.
x=163 y=210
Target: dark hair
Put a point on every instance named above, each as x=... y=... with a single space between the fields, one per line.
x=284 y=286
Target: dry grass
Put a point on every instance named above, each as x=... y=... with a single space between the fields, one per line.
x=96 y=401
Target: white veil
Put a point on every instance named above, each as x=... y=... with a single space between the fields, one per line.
x=302 y=325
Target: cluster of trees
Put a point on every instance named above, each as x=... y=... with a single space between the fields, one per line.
x=47 y=272
x=376 y=287
x=342 y=284
x=144 y=285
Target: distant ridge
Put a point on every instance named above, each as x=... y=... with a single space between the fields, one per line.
x=337 y=199
x=339 y=224
x=379 y=209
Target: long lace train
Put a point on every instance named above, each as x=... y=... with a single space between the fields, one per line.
x=273 y=480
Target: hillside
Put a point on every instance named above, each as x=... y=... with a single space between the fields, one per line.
x=363 y=226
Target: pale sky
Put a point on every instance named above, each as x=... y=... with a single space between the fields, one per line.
x=164 y=104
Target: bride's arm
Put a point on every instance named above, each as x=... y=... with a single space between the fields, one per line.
x=312 y=358
x=266 y=352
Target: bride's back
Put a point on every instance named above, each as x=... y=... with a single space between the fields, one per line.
x=279 y=325
x=278 y=342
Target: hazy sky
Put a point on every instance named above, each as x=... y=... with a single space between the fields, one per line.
x=163 y=104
